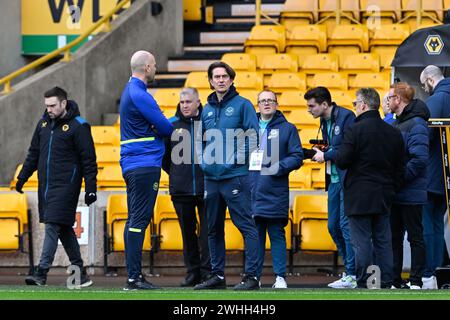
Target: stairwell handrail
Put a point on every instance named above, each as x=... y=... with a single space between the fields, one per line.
x=6 y=81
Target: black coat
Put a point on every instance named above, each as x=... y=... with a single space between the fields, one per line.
x=185 y=179
x=373 y=154
x=63 y=153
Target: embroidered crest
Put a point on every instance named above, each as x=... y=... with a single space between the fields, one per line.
x=337 y=130
x=65 y=127
x=229 y=111
x=44 y=124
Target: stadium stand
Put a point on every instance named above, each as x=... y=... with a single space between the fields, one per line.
x=331 y=80
x=296 y=13
x=388 y=11
x=348 y=39
x=307 y=39
x=198 y=80
x=266 y=39
x=281 y=82
x=167 y=98
x=385 y=41
x=32 y=183
x=239 y=61
x=167 y=229
x=106 y=135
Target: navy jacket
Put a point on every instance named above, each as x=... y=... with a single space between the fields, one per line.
x=341 y=119
x=412 y=123
x=270 y=192
x=142 y=128
x=185 y=179
x=224 y=156
x=63 y=154
x=439 y=106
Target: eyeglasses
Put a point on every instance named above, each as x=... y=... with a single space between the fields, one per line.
x=267 y=101
x=356 y=102
x=390 y=97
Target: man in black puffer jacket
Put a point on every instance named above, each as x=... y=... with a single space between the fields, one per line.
x=62 y=151
x=186 y=187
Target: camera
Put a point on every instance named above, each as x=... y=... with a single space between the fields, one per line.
x=317 y=143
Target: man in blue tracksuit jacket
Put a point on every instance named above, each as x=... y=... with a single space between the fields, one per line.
x=142 y=129
x=434 y=83
x=334 y=121
x=283 y=153
x=226 y=118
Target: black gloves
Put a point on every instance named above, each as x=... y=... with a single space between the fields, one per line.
x=19 y=185
x=90 y=198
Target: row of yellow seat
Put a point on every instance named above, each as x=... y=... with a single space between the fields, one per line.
x=14 y=218
x=306 y=230
x=388 y=11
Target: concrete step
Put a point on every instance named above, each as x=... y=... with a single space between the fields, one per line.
x=183 y=65
x=220 y=38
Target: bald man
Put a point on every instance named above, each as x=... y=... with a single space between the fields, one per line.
x=434 y=83
x=142 y=130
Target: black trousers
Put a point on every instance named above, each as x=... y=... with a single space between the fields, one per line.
x=371 y=240
x=195 y=248
x=408 y=218
x=68 y=238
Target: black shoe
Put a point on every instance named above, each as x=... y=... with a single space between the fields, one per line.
x=39 y=277
x=139 y=284
x=214 y=282
x=85 y=280
x=191 y=280
x=248 y=283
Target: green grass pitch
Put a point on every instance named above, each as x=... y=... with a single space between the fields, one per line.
x=96 y=293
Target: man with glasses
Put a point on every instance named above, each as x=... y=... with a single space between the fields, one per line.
x=434 y=83
x=282 y=153
x=228 y=136
x=374 y=172
x=334 y=122
x=406 y=214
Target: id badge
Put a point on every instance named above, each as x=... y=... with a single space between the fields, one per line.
x=256 y=159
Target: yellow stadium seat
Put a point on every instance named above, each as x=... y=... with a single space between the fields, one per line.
x=431 y=9
x=331 y=80
x=360 y=62
x=379 y=81
x=286 y=81
x=266 y=39
x=167 y=97
x=299 y=179
x=195 y=79
x=308 y=133
x=110 y=178
x=303 y=119
x=169 y=111
x=106 y=135
x=270 y=63
x=250 y=94
x=192 y=10
x=342 y=98
x=297 y=12
x=385 y=41
x=386 y=54
x=291 y=100
x=164 y=180
x=32 y=183
x=107 y=155
x=239 y=61
x=203 y=95
x=349 y=7
x=322 y=62
x=309 y=39
x=167 y=226
x=310 y=216
x=248 y=80
x=348 y=39
x=13 y=218
x=318 y=177
x=388 y=11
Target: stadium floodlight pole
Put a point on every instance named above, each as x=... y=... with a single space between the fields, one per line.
x=258 y=12
x=419 y=13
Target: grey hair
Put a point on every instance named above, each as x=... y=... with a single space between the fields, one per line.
x=370 y=96
x=190 y=91
x=431 y=72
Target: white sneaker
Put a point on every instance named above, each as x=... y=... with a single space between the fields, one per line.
x=413 y=286
x=337 y=282
x=346 y=282
x=429 y=283
x=280 y=283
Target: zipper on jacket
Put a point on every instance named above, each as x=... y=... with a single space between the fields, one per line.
x=48 y=163
x=192 y=157
x=73 y=173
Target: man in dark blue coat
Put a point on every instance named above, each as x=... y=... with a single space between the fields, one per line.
x=186 y=187
x=434 y=83
x=334 y=121
x=412 y=116
x=282 y=153
x=62 y=151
